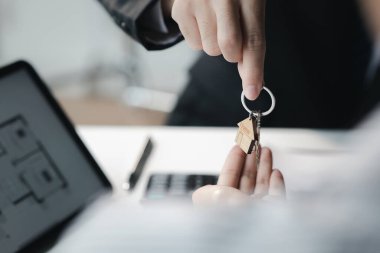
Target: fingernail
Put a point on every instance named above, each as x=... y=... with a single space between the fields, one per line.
x=252 y=92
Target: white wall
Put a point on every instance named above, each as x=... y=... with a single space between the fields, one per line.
x=71 y=38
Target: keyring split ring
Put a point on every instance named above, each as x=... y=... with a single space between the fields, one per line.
x=264 y=113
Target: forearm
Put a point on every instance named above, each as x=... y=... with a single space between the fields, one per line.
x=167 y=7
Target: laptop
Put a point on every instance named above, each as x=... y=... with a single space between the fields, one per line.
x=46 y=173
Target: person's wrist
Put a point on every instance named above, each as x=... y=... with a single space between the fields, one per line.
x=167 y=6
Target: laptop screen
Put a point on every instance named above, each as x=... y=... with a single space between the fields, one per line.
x=46 y=174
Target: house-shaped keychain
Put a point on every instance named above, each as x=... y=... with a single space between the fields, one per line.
x=247 y=135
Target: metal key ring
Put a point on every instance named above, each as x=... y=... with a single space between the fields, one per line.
x=264 y=113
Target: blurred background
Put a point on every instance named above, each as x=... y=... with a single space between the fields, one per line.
x=98 y=74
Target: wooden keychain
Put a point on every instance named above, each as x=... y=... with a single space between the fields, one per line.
x=248 y=135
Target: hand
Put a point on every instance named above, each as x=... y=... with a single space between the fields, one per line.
x=234 y=28
x=240 y=181
x=371 y=10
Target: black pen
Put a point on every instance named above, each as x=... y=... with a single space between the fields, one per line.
x=130 y=184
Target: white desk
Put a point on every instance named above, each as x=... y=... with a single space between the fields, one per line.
x=118 y=226
x=297 y=152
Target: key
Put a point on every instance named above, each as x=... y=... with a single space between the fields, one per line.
x=257 y=144
x=248 y=135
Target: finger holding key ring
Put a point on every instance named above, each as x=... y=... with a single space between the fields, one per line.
x=254 y=111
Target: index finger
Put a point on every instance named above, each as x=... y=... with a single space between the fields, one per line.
x=231 y=171
x=251 y=67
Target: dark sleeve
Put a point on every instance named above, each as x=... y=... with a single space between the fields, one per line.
x=133 y=17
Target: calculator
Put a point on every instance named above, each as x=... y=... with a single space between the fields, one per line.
x=165 y=186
